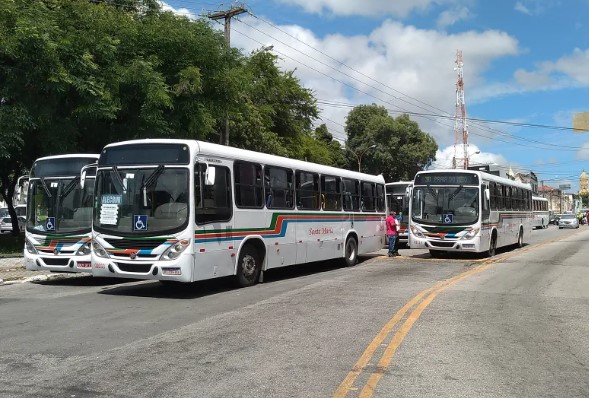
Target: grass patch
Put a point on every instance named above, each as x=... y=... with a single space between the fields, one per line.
x=12 y=245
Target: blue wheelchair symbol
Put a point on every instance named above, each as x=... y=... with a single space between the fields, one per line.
x=139 y=222
x=50 y=224
x=448 y=218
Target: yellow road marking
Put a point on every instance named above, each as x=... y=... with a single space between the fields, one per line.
x=347 y=384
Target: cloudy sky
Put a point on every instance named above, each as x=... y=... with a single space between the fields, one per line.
x=525 y=65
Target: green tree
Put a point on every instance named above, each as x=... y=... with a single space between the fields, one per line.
x=401 y=148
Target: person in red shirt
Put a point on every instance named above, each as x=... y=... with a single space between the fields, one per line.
x=392 y=231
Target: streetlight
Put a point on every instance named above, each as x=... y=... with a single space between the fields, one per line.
x=467 y=160
x=359 y=156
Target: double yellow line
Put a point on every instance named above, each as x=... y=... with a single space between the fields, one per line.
x=420 y=302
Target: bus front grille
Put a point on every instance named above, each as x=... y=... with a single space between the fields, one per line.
x=437 y=243
x=60 y=261
x=135 y=243
x=136 y=268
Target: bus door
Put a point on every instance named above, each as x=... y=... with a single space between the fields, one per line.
x=214 y=245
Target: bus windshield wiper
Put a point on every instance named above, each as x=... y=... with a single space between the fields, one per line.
x=69 y=188
x=150 y=181
x=118 y=178
x=453 y=195
x=45 y=187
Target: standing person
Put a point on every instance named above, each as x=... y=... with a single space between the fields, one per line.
x=399 y=218
x=392 y=225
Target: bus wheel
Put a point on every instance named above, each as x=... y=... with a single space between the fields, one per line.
x=248 y=267
x=436 y=253
x=492 y=246
x=351 y=254
x=520 y=238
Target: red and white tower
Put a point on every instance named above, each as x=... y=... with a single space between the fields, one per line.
x=460 y=128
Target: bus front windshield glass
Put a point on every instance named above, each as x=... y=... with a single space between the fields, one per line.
x=141 y=200
x=59 y=206
x=445 y=205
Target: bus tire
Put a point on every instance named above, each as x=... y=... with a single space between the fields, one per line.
x=520 y=238
x=249 y=267
x=351 y=252
x=436 y=253
x=492 y=246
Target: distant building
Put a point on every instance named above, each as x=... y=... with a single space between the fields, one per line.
x=529 y=178
x=558 y=201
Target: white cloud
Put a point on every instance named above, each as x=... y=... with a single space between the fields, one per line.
x=568 y=71
x=444 y=158
x=450 y=17
x=180 y=11
x=373 y=8
x=583 y=153
x=519 y=6
x=400 y=67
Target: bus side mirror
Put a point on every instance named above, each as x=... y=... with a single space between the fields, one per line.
x=487 y=194
x=210 y=175
x=83 y=173
x=83 y=178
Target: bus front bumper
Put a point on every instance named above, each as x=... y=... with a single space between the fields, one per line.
x=179 y=270
x=57 y=263
x=460 y=245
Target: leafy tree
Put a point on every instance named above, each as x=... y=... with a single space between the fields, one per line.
x=274 y=113
x=401 y=147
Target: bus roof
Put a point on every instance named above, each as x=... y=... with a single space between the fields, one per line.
x=482 y=176
x=206 y=148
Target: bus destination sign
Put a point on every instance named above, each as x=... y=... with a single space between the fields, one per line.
x=446 y=179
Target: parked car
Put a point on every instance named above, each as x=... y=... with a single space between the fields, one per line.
x=6 y=224
x=568 y=221
x=554 y=218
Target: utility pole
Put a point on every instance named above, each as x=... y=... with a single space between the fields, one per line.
x=226 y=15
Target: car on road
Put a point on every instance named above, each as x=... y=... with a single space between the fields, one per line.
x=568 y=221
x=554 y=219
x=6 y=224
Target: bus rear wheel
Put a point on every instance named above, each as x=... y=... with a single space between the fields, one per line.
x=351 y=252
x=520 y=238
x=492 y=246
x=249 y=267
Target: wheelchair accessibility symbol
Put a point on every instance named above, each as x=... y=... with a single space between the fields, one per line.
x=140 y=223
x=448 y=218
x=50 y=224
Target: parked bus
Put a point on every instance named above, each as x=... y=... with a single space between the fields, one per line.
x=59 y=214
x=398 y=194
x=540 y=211
x=182 y=210
x=468 y=211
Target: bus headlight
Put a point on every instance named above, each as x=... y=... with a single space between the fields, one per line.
x=173 y=252
x=470 y=233
x=30 y=247
x=84 y=250
x=99 y=250
x=417 y=232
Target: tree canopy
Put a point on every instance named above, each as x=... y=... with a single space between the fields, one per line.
x=394 y=147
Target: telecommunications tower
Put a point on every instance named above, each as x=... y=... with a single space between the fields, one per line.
x=460 y=128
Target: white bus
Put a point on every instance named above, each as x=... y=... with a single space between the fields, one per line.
x=183 y=210
x=398 y=195
x=468 y=211
x=540 y=211
x=59 y=215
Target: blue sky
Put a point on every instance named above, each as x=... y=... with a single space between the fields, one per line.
x=526 y=63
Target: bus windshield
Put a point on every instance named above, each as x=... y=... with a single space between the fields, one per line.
x=150 y=200
x=59 y=206
x=445 y=205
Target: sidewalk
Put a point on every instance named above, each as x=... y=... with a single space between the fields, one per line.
x=12 y=270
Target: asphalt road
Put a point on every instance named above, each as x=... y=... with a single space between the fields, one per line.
x=514 y=325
